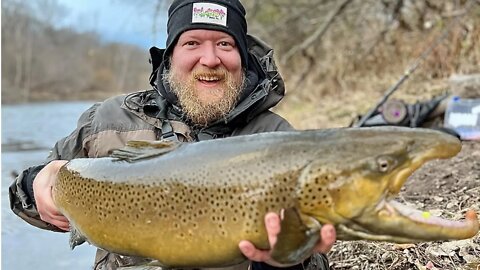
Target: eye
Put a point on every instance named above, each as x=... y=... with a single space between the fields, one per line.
x=223 y=43
x=190 y=43
x=385 y=163
x=226 y=44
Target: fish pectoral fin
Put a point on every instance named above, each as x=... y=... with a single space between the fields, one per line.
x=298 y=236
x=137 y=150
x=76 y=238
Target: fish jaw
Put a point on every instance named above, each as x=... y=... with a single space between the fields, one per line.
x=446 y=146
x=389 y=220
x=359 y=200
x=406 y=224
x=395 y=222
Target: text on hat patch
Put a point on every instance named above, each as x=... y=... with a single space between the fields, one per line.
x=209 y=13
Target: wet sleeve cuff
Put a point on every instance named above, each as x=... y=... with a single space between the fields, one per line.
x=27 y=181
x=264 y=266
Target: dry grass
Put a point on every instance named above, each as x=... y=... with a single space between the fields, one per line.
x=349 y=79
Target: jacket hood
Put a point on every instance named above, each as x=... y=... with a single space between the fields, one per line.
x=264 y=86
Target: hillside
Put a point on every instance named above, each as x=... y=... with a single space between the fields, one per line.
x=364 y=48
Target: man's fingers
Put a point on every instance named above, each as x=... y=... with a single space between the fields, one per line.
x=61 y=224
x=53 y=212
x=59 y=221
x=252 y=253
x=272 y=224
x=42 y=191
x=58 y=217
x=328 y=236
x=50 y=214
x=47 y=208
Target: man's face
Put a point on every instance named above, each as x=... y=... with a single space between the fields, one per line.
x=206 y=74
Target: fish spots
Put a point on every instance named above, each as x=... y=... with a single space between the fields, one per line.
x=313 y=193
x=186 y=204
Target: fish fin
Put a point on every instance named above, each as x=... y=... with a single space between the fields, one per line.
x=298 y=236
x=138 y=150
x=76 y=238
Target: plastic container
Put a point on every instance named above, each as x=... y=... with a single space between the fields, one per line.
x=463 y=116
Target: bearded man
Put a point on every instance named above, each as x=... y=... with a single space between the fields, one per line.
x=211 y=81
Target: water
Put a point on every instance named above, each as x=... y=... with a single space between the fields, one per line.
x=36 y=127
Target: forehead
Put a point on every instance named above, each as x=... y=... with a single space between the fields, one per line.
x=205 y=34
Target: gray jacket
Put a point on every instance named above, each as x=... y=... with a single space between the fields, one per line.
x=153 y=115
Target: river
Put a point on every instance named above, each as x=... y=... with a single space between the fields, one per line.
x=28 y=131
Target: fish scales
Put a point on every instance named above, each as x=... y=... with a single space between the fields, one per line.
x=185 y=205
x=190 y=206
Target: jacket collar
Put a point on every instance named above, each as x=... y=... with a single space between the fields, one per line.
x=264 y=89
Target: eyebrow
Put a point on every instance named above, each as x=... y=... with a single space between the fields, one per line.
x=196 y=36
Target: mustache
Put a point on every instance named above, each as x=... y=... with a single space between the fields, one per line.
x=218 y=73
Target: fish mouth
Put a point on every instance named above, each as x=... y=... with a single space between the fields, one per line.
x=405 y=224
x=391 y=221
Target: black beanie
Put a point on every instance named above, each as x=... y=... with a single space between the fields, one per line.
x=222 y=15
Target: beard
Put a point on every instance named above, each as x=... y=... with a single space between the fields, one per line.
x=199 y=111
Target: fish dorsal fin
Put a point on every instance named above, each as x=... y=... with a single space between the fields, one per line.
x=298 y=236
x=138 y=150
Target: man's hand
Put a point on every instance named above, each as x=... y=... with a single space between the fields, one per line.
x=272 y=224
x=42 y=190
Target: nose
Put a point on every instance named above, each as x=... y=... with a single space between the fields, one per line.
x=209 y=56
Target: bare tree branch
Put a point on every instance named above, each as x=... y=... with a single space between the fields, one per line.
x=156 y=12
x=317 y=34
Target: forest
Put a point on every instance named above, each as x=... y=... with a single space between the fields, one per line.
x=41 y=62
x=352 y=51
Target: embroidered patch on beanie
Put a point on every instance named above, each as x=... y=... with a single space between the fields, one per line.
x=209 y=13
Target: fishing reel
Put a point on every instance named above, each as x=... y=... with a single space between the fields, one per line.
x=395 y=112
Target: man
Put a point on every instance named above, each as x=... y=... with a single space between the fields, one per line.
x=211 y=81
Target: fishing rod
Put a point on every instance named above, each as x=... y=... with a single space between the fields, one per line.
x=413 y=67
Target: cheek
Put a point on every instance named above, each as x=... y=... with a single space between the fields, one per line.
x=233 y=63
x=183 y=62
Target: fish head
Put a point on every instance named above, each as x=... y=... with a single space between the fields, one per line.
x=365 y=169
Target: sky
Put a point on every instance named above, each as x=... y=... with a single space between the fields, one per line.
x=116 y=20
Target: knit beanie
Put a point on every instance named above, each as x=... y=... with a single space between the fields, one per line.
x=222 y=15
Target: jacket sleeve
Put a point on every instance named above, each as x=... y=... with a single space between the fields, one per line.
x=264 y=122
x=22 y=200
x=317 y=261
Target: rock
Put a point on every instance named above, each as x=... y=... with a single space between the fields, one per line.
x=465 y=86
x=449 y=249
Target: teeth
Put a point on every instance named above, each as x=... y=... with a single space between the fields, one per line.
x=208 y=78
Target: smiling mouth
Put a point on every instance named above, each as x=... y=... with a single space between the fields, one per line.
x=209 y=78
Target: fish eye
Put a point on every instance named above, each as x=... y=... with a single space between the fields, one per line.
x=385 y=163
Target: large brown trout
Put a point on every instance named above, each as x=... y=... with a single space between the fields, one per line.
x=189 y=205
